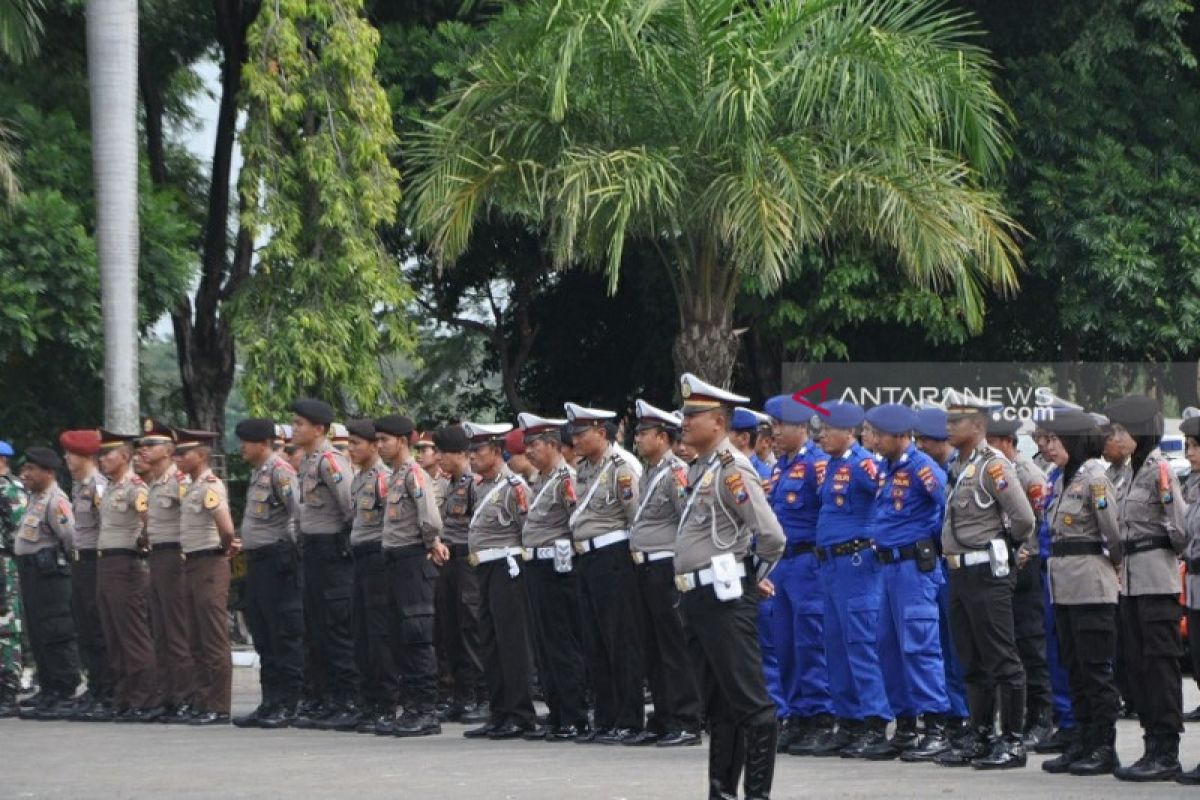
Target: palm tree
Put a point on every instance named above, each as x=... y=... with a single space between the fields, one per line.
x=727 y=137
x=20 y=36
x=112 y=36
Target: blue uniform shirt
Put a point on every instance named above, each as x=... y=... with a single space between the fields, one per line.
x=793 y=497
x=761 y=467
x=911 y=500
x=847 y=495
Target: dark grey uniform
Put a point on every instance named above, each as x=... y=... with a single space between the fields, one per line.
x=372 y=614
x=1029 y=610
x=457 y=598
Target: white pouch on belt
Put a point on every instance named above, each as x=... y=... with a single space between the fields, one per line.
x=727 y=583
x=563 y=553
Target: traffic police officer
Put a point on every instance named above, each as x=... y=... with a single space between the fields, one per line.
x=325 y=518
x=612 y=635
x=798 y=618
x=987 y=518
x=1082 y=568
x=44 y=539
x=87 y=484
x=501 y=499
x=1152 y=513
x=728 y=540
x=274 y=595
x=412 y=550
x=662 y=493
x=905 y=526
x=851 y=585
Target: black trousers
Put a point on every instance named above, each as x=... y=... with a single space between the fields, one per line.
x=411 y=577
x=1193 y=620
x=274 y=597
x=1087 y=644
x=456 y=615
x=372 y=615
x=1119 y=670
x=1150 y=627
x=504 y=643
x=328 y=609
x=1029 y=627
x=89 y=634
x=46 y=602
x=612 y=636
x=981 y=620
x=672 y=683
x=554 y=616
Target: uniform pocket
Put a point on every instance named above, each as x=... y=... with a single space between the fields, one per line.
x=1160 y=627
x=921 y=630
x=862 y=619
x=1096 y=637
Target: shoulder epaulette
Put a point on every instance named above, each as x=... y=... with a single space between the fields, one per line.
x=727 y=458
x=285 y=466
x=513 y=479
x=212 y=478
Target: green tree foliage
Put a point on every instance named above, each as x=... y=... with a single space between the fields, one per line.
x=326 y=304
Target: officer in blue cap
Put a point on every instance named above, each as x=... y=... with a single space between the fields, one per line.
x=851 y=587
x=797 y=624
x=905 y=525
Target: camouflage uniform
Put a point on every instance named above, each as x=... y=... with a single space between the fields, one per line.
x=12 y=508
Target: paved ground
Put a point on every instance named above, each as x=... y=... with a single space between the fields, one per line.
x=67 y=760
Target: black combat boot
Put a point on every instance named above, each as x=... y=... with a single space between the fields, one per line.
x=1039 y=725
x=818 y=728
x=872 y=743
x=1102 y=759
x=1161 y=762
x=251 y=720
x=1058 y=742
x=1078 y=747
x=416 y=723
x=905 y=736
x=761 y=743
x=8 y=703
x=279 y=717
x=1008 y=752
x=790 y=731
x=836 y=740
x=725 y=755
x=932 y=744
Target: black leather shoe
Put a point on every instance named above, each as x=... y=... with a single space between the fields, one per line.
x=1061 y=763
x=451 y=712
x=643 y=738
x=482 y=732
x=100 y=711
x=537 y=733
x=1193 y=715
x=680 y=739
x=251 y=720
x=1007 y=753
x=1160 y=763
x=33 y=699
x=141 y=714
x=832 y=743
x=180 y=715
x=1058 y=742
x=617 y=736
x=474 y=714
x=589 y=737
x=380 y=722
x=343 y=717
x=1189 y=778
x=416 y=723
x=509 y=730
x=976 y=745
x=566 y=733
x=873 y=740
x=1101 y=761
x=59 y=708
x=1039 y=727
x=279 y=717
x=812 y=736
x=210 y=718
x=9 y=707
x=309 y=714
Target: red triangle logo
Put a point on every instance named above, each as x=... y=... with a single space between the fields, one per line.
x=820 y=386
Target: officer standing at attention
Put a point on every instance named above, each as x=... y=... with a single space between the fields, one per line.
x=122 y=583
x=325 y=518
x=170 y=615
x=1084 y=553
x=852 y=587
x=274 y=597
x=87 y=484
x=612 y=635
x=1152 y=513
x=457 y=600
x=905 y=526
x=412 y=551
x=1190 y=427
x=43 y=542
x=988 y=517
x=501 y=499
x=720 y=577
x=1029 y=614
x=371 y=616
x=552 y=581
x=12 y=508
x=662 y=493
x=208 y=541
x=798 y=619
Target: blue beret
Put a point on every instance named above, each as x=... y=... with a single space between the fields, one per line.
x=783 y=408
x=743 y=420
x=6 y=449
x=931 y=423
x=892 y=418
x=842 y=414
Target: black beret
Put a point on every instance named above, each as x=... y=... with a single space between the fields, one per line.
x=43 y=457
x=1070 y=423
x=1002 y=427
x=318 y=412
x=394 y=425
x=452 y=439
x=1190 y=427
x=362 y=428
x=255 y=429
x=1136 y=413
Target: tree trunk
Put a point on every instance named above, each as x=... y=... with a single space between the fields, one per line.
x=708 y=348
x=112 y=35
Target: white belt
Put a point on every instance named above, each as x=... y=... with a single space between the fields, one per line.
x=702 y=577
x=493 y=554
x=955 y=561
x=588 y=545
x=539 y=553
x=646 y=558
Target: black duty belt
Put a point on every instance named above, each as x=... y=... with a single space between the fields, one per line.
x=798 y=549
x=458 y=550
x=85 y=555
x=1076 y=549
x=847 y=548
x=364 y=549
x=1149 y=543
x=210 y=553
x=109 y=552
x=891 y=555
x=408 y=551
x=160 y=546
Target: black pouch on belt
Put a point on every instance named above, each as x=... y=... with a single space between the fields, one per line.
x=927 y=555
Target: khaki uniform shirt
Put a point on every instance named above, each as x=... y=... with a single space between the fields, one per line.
x=985 y=499
x=608 y=496
x=162 y=520
x=48 y=522
x=1086 y=511
x=121 y=510
x=549 y=516
x=662 y=496
x=85 y=498
x=1153 y=506
x=500 y=507
x=197 y=528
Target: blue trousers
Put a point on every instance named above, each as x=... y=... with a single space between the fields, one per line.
x=797 y=626
x=956 y=687
x=910 y=650
x=1059 y=684
x=852 y=586
x=770 y=660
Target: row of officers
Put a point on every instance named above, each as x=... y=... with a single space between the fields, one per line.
x=896 y=592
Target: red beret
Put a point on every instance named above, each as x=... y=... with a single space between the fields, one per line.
x=81 y=443
x=514 y=442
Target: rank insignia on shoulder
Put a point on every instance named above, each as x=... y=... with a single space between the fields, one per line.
x=928 y=479
x=211 y=499
x=726 y=458
x=64 y=512
x=737 y=488
x=995 y=471
x=625 y=481
x=1100 y=496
